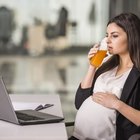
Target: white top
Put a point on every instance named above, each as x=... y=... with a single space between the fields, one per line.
x=94 y=121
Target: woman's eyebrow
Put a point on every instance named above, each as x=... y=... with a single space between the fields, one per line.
x=112 y=32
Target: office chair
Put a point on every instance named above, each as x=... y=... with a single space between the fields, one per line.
x=135 y=137
x=7 y=24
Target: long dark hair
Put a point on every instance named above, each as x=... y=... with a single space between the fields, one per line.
x=130 y=23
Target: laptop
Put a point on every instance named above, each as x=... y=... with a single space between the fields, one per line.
x=22 y=117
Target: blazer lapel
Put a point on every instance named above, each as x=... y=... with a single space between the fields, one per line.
x=129 y=84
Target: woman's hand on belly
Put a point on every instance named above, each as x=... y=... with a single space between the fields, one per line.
x=108 y=100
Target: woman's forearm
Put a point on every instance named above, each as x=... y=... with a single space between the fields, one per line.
x=88 y=79
x=130 y=113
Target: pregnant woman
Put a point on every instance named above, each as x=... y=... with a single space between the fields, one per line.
x=108 y=98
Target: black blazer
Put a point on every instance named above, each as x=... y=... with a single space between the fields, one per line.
x=130 y=95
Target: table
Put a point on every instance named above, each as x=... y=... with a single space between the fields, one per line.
x=54 y=131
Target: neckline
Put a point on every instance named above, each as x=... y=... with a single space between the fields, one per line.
x=124 y=72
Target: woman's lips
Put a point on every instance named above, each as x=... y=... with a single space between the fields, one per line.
x=109 y=47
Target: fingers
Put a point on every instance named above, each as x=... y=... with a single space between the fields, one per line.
x=97 y=97
x=93 y=51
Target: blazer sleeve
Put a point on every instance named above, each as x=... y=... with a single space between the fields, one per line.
x=82 y=95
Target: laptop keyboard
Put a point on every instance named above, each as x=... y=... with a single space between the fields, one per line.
x=26 y=117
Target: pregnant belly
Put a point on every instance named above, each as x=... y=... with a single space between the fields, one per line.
x=92 y=109
x=95 y=119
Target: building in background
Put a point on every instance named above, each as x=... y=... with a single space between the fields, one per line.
x=83 y=23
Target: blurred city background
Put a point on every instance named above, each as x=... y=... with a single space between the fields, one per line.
x=44 y=44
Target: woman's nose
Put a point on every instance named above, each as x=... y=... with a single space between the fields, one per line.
x=108 y=40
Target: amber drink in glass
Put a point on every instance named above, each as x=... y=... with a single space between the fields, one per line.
x=97 y=59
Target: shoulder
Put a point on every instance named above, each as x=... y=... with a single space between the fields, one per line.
x=134 y=72
x=133 y=77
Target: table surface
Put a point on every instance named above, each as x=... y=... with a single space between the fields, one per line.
x=54 y=131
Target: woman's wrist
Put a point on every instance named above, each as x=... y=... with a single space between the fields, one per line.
x=91 y=67
x=118 y=105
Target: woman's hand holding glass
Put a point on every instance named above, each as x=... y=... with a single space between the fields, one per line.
x=98 y=53
x=92 y=53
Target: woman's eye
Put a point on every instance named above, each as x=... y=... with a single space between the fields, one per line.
x=114 y=36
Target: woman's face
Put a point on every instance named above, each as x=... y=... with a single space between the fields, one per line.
x=116 y=39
